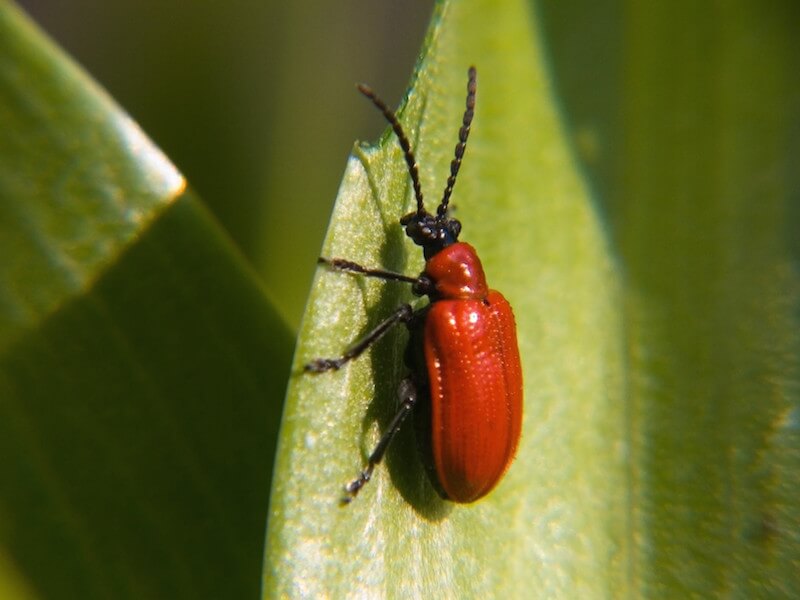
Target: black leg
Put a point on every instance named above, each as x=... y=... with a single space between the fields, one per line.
x=341 y=264
x=402 y=315
x=407 y=392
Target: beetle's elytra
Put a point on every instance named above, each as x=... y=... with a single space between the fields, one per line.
x=465 y=379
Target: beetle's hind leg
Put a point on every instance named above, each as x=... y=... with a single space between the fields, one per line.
x=407 y=393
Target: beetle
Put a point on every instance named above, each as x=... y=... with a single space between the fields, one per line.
x=465 y=380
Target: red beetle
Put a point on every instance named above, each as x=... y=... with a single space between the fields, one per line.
x=465 y=385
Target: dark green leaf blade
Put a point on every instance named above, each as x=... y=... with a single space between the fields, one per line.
x=142 y=369
x=78 y=179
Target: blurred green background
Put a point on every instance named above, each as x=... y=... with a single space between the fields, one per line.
x=253 y=101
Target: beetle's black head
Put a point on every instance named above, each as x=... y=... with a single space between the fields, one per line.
x=432 y=232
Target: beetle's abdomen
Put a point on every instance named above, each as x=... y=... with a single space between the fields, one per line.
x=475 y=378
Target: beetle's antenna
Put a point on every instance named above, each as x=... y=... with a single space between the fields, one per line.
x=463 y=134
x=413 y=170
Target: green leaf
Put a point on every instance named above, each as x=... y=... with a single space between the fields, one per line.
x=657 y=316
x=141 y=366
x=524 y=208
x=691 y=130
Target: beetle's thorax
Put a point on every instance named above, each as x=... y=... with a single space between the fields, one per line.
x=456 y=273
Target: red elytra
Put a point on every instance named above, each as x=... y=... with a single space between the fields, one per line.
x=465 y=381
x=474 y=375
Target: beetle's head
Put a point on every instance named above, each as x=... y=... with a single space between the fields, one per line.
x=431 y=232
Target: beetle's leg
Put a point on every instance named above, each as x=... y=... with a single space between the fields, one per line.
x=407 y=393
x=401 y=315
x=348 y=266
